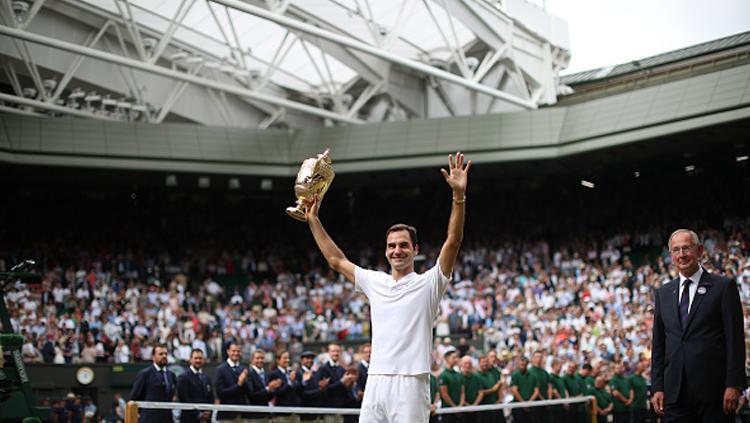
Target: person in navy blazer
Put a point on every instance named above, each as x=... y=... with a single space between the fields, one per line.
x=231 y=383
x=364 y=364
x=698 y=352
x=338 y=390
x=288 y=394
x=312 y=389
x=261 y=388
x=155 y=383
x=194 y=386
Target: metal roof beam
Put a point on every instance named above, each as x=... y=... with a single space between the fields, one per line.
x=52 y=107
x=375 y=51
x=131 y=63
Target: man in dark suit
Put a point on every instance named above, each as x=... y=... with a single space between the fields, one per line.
x=155 y=383
x=364 y=364
x=698 y=343
x=194 y=386
x=337 y=393
x=288 y=394
x=312 y=388
x=231 y=383
x=260 y=388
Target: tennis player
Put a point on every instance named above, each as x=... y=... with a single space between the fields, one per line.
x=403 y=307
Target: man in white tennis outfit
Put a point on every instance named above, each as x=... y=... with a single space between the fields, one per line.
x=403 y=307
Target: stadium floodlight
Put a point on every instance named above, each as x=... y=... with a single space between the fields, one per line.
x=20 y=7
x=587 y=184
x=49 y=84
x=149 y=43
x=204 y=182
x=76 y=94
x=194 y=60
x=637 y=174
x=124 y=105
x=180 y=55
x=138 y=108
x=266 y=184
x=108 y=101
x=227 y=68
x=92 y=96
x=234 y=183
x=29 y=92
x=741 y=158
x=212 y=65
x=689 y=168
x=170 y=181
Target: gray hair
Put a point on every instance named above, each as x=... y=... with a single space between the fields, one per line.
x=693 y=236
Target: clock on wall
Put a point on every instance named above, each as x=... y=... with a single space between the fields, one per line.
x=85 y=375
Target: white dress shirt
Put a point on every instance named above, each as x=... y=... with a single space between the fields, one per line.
x=695 y=278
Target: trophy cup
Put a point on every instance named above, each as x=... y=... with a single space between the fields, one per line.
x=314 y=177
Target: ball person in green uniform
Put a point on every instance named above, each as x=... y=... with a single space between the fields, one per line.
x=451 y=386
x=603 y=399
x=524 y=387
x=622 y=394
x=574 y=385
x=639 y=407
x=557 y=412
x=540 y=414
x=585 y=377
x=434 y=394
x=491 y=385
x=472 y=388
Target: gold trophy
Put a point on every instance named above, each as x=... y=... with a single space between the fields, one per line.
x=314 y=177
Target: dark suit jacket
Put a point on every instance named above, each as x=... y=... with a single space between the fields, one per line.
x=288 y=395
x=229 y=392
x=362 y=380
x=706 y=356
x=149 y=385
x=309 y=392
x=193 y=388
x=337 y=395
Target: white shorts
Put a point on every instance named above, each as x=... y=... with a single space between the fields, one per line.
x=396 y=399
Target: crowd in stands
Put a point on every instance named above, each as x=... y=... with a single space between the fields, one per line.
x=578 y=302
x=581 y=304
x=542 y=268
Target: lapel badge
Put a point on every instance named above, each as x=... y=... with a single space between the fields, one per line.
x=701 y=290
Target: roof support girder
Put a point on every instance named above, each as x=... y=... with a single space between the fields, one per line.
x=131 y=63
x=375 y=51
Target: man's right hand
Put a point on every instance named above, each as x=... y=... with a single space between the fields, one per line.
x=348 y=380
x=323 y=384
x=312 y=207
x=657 y=401
x=242 y=378
x=274 y=385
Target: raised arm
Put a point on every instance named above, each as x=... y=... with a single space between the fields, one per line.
x=457 y=178
x=332 y=253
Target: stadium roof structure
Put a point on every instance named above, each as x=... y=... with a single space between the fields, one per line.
x=711 y=56
x=698 y=50
x=279 y=63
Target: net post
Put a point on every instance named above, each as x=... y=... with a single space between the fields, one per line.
x=594 y=410
x=131 y=412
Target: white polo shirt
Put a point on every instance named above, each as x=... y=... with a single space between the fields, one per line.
x=402 y=315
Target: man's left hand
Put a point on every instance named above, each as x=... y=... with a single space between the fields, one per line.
x=731 y=400
x=457 y=173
